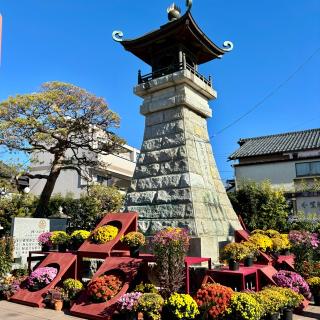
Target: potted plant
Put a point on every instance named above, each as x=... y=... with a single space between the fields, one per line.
x=61 y=239
x=234 y=252
x=127 y=305
x=252 y=252
x=146 y=288
x=263 y=242
x=291 y=300
x=44 y=240
x=180 y=306
x=104 y=288
x=41 y=277
x=55 y=298
x=150 y=305
x=244 y=305
x=72 y=287
x=134 y=240
x=292 y=280
x=213 y=299
x=9 y=285
x=272 y=302
x=170 y=246
x=77 y=238
x=104 y=234
x=314 y=284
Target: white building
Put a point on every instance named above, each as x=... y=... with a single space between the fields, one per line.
x=117 y=170
x=289 y=160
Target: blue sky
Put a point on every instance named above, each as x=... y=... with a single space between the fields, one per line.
x=70 y=41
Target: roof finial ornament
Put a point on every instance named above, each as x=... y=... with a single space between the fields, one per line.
x=117 y=35
x=174 y=12
x=189 y=4
x=227 y=46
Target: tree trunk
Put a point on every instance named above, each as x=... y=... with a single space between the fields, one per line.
x=41 y=210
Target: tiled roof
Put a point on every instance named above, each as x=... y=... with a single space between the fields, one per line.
x=278 y=143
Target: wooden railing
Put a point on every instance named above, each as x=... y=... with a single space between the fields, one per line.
x=170 y=69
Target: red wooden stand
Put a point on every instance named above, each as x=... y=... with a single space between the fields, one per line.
x=127 y=268
x=125 y=222
x=66 y=264
x=252 y=278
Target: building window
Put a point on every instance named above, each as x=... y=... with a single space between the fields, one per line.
x=305 y=169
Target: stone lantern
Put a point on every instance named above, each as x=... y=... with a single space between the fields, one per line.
x=176 y=181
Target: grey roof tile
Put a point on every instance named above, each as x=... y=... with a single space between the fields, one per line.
x=278 y=143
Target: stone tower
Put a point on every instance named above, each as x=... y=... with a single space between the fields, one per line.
x=176 y=181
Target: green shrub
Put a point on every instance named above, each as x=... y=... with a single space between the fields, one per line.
x=6 y=255
x=260 y=205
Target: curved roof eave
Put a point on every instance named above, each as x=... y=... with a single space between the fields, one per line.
x=171 y=26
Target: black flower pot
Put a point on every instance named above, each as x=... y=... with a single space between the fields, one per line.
x=134 y=252
x=62 y=247
x=287 y=253
x=248 y=262
x=45 y=247
x=287 y=314
x=274 y=316
x=233 y=265
x=316 y=299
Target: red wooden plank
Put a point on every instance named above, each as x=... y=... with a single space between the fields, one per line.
x=66 y=262
x=128 y=268
x=125 y=222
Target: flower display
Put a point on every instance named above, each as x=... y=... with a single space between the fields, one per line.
x=104 y=234
x=9 y=285
x=304 y=238
x=104 y=288
x=41 y=277
x=150 y=304
x=253 y=250
x=169 y=236
x=244 y=306
x=213 y=299
x=79 y=236
x=271 y=300
x=293 y=299
x=128 y=302
x=59 y=237
x=72 y=287
x=292 y=280
x=134 y=239
x=314 y=284
x=234 y=251
x=146 y=288
x=304 y=245
x=45 y=238
x=262 y=241
x=180 y=306
x=170 y=247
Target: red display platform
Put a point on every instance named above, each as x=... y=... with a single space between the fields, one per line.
x=286 y=262
x=252 y=278
x=66 y=264
x=127 y=268
x=125 y=222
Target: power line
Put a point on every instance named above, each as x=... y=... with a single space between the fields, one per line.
x=269 y=95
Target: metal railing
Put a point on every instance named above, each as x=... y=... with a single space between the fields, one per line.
x=170 y=69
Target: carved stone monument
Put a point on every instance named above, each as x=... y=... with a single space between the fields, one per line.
x=176 y=181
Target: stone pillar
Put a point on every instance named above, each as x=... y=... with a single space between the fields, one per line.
x=176 y=181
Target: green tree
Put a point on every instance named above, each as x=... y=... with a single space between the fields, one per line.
x=7 y=173
x=260 y=205
x=63 y=120
x=110 y=198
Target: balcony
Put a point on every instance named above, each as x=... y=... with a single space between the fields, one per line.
x=170 y=69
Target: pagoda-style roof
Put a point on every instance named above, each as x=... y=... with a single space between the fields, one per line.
x=183 y=31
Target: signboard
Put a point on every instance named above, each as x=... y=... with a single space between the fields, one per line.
x=25 y=232
x=308 y=205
